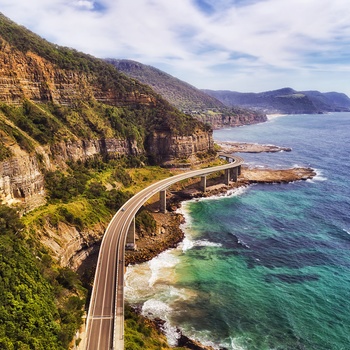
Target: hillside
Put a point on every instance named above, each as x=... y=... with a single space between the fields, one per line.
x=187 y=98
x=68 y=106
x=74 y=135
x=285 y=101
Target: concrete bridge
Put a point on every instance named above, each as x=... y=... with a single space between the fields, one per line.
x=105 y=321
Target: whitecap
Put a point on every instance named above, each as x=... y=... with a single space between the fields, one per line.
x=162 y=267
x=172 y=334
x=234 y=345
x=188 y=244
x=136 y=276
x=319 y=177
x=206 y=243
x=183 y=210
x=347 y=231
x=245 y=245
x=239 y=191
x=155 y=308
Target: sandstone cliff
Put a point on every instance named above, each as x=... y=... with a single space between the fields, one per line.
x=59 y=105
x=167 y=148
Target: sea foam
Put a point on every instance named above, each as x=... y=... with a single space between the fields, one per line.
x=187 y=244
x=319 y=177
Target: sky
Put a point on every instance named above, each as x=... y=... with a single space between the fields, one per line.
x=238 y=45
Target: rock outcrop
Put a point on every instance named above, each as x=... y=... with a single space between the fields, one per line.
x=85 y=149
x=68 y=245
x=21 y=181
x=30 y=76
x=166 y=147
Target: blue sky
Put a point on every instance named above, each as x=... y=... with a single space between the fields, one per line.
x=238 y=45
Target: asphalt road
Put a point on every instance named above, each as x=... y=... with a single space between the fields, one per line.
x=105 y=321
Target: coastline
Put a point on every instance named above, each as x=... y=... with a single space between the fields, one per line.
x=169 y=233
x=246 y=147
x=274 y=116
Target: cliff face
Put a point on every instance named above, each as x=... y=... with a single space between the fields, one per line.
x=68 y=245
x=236 y=118
x=21 y=181
x=59 y=105
x=21 y=176
x=166 y=148
x=85 y=149
x=85 y=87
x=29 y=76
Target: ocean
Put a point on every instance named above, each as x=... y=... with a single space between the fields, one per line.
x=266 y=266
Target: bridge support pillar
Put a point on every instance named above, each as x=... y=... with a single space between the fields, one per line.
x=162 y=200
x=130 y=238
x=203 y=183
x=234 y=174
x=227 y=176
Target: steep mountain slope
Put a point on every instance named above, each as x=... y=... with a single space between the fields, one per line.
x=339 y=99
x=329 y=101
x=286 y=101
x=188 y=98
x=59 y=105
x=182 y=95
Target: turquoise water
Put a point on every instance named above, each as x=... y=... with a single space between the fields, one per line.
x=266 y=267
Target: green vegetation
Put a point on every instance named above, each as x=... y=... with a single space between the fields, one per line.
x=141 y=334
x=36 y=312
x=14 y=134
x=41 y=303
x=4 y=152
x=88 y=118
x=144 y=220
x=185 y=97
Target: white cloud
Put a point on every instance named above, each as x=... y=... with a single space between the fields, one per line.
x=89 y=5
x=266 y=39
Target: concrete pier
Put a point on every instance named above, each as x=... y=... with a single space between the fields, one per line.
x=227 y=176
x=130 y=238
x=162 y=200
x=234 y=174
x=203 y=183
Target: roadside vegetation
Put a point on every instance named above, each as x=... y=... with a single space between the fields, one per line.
x=141 y=334
x=42 y=304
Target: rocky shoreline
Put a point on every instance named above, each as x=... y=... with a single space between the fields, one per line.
x=243 y=147
x=169 y=234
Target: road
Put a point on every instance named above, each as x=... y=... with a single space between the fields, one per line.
x=105 y=321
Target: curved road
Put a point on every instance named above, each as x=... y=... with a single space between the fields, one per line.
x=105 y=321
